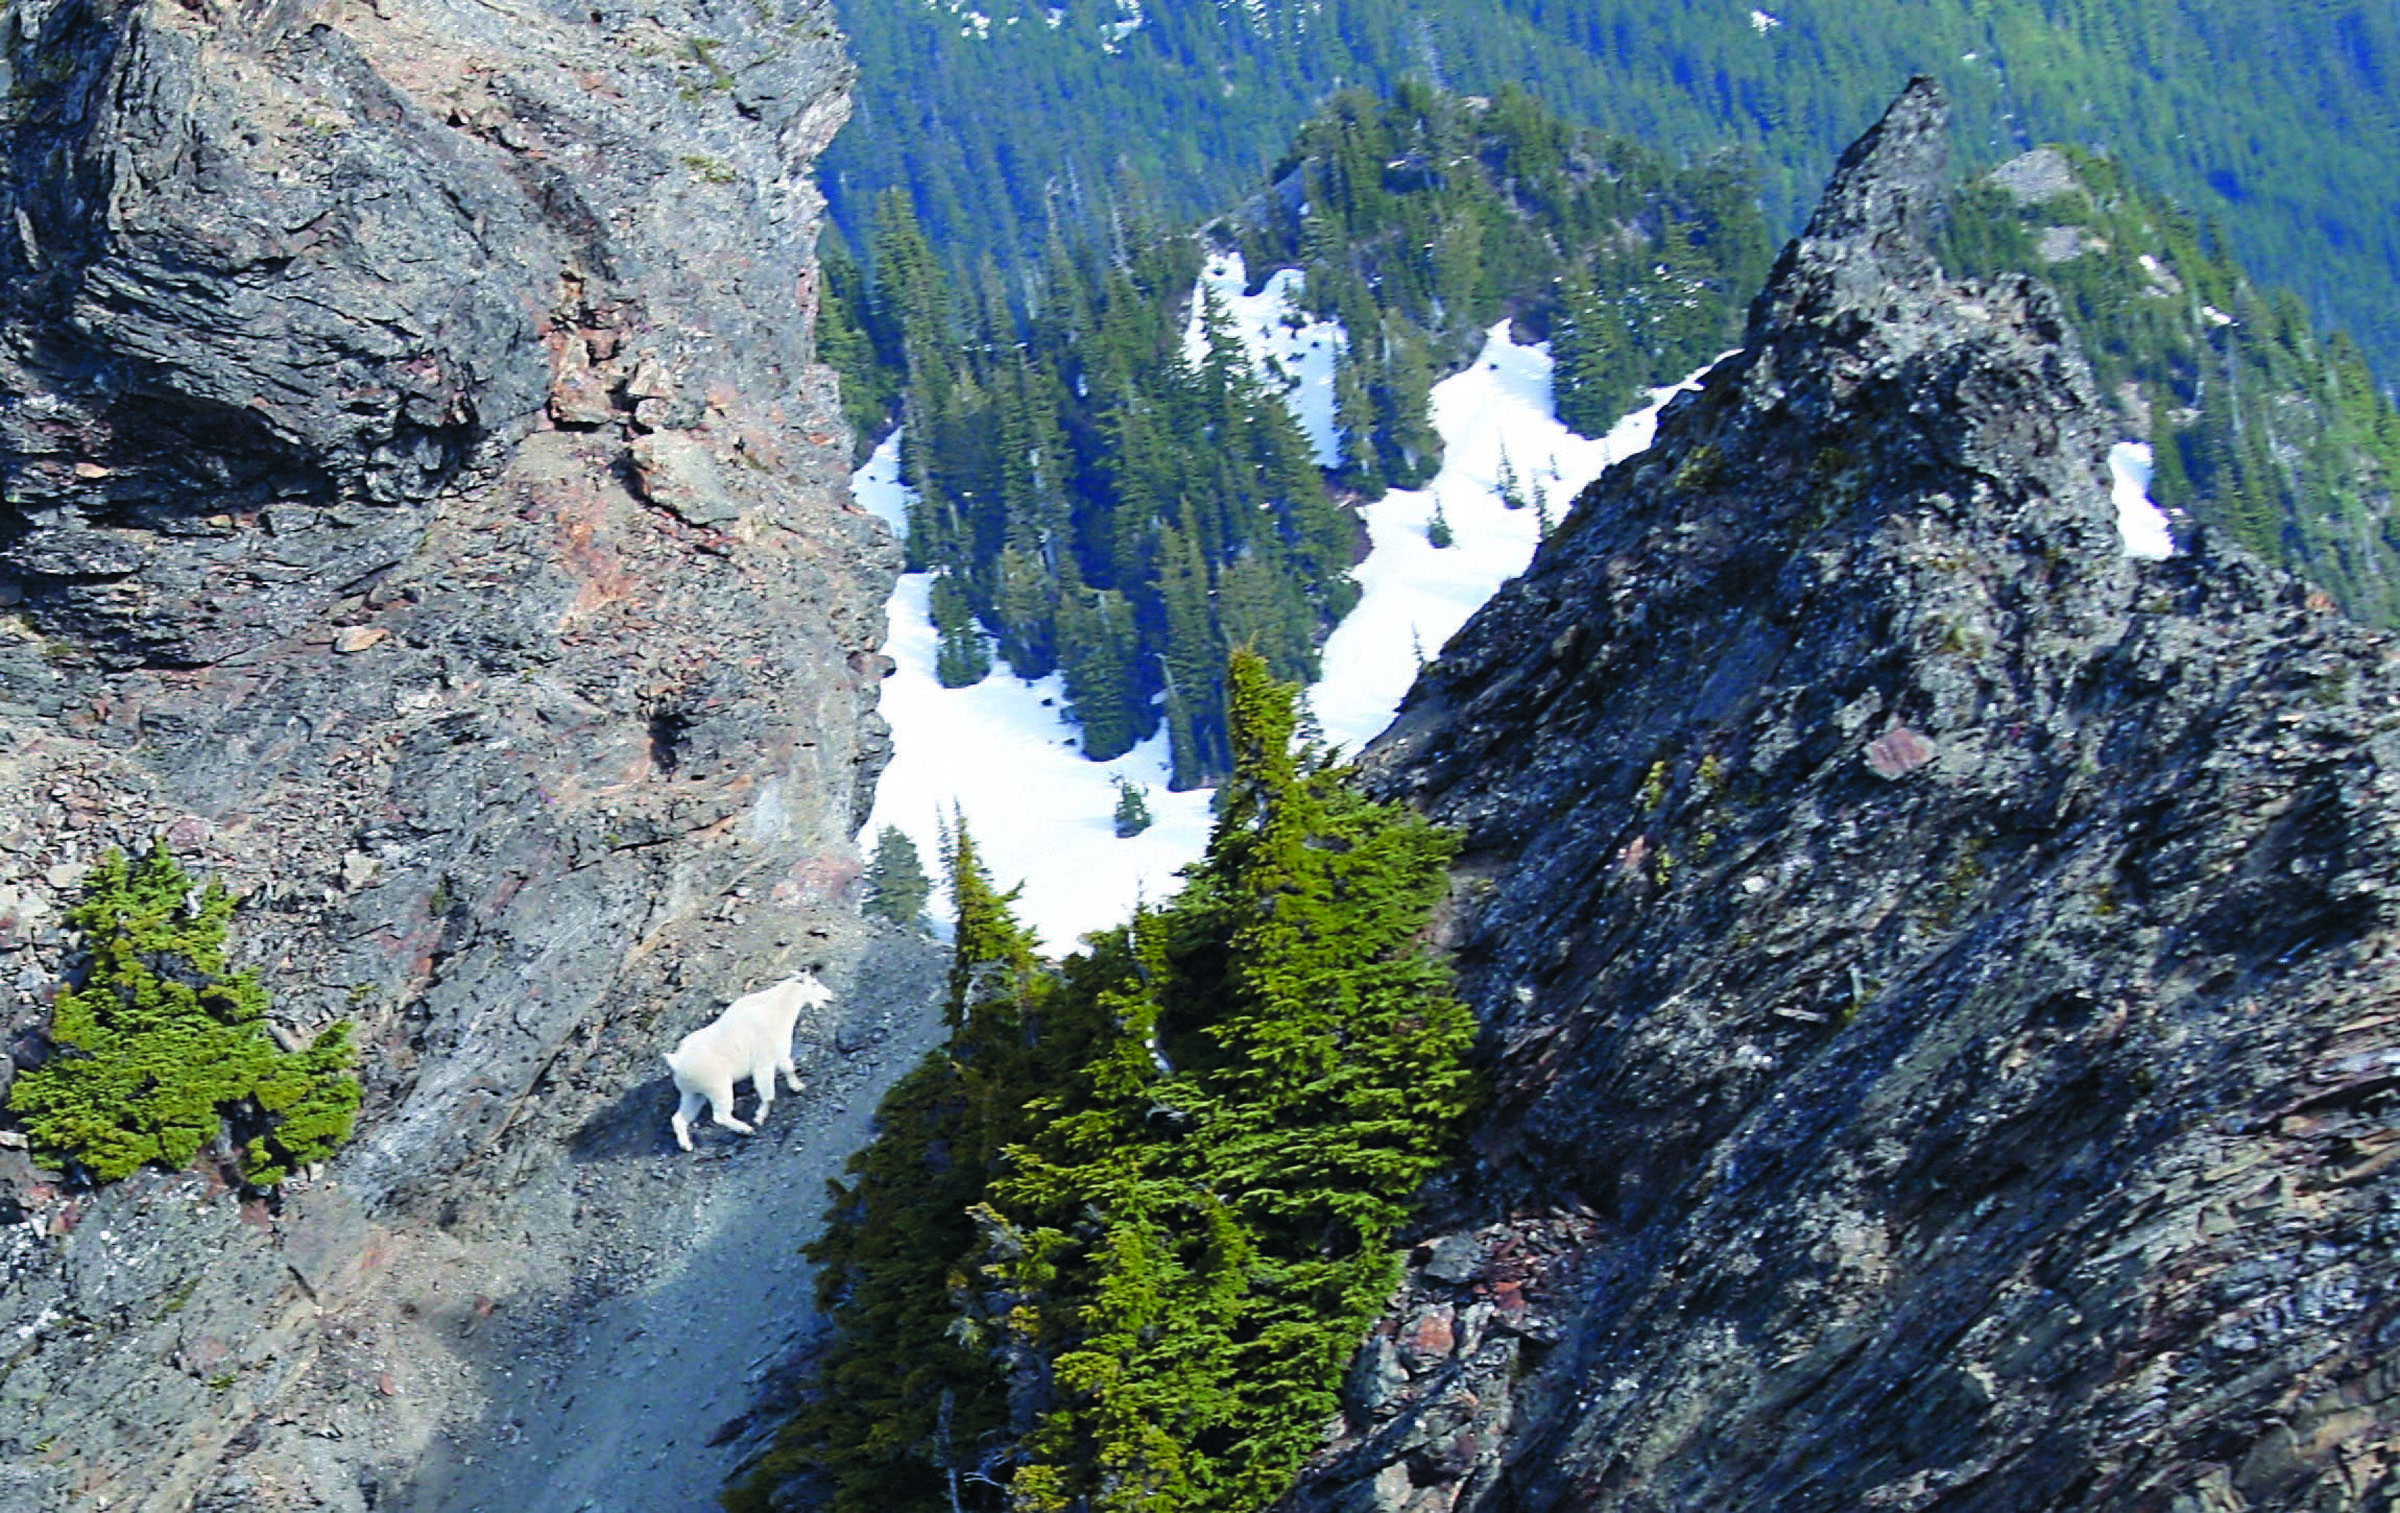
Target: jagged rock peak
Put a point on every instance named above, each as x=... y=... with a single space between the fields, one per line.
x=1878 y=208
x=1935 y=973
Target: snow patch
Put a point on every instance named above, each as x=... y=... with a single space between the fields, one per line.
x=1416 y=596
x=2141 y=525
x=1043 y=815
x=1762 y=23
x=1288 y=350
x=1001 y=752
x=1114 y=33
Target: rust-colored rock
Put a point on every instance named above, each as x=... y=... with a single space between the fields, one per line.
x=1898 y=752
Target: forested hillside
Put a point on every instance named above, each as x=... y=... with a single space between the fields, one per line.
x=1103 y=498
x=1427 y=216
x=1114 y=508
x=2280 y=121
x=2258 y=424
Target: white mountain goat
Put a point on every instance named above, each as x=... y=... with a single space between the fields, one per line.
x=753 y=1039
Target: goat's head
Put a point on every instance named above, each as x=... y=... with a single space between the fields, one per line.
x=812 y=992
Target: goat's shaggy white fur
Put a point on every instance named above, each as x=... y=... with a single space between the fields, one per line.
x=753 y=1039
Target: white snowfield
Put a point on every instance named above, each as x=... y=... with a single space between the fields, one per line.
x=1290 y=350
x=1416 y=595
x=1002 y=752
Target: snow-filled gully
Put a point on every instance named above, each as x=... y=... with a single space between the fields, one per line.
x=1002 y=752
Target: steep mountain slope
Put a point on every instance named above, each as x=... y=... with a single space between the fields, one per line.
x=1933 y=967
x=423 y=506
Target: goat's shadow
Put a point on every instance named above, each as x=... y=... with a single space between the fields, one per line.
x=635 y=1125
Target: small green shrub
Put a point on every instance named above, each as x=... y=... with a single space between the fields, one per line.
x=1132 y=815
x=161 y=1048
x=1654 y=786
x=1701 y=470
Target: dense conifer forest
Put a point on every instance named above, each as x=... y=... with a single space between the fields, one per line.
x=1116 y=1240
x=1426 y=216
x=2280 y=121
x=1105 y=508
x=1096 y=503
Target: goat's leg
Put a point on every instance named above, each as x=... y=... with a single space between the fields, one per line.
x=762 y=1081
x=720 y=1105
x=683 y=1119
x=791 y=1074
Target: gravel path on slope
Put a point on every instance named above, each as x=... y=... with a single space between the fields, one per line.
x=690 y=1303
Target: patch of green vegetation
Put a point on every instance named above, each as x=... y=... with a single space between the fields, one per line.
x=162 y=1049
x=1711 y=779
x=709 y=170
x=182 y=1298
x=1116 y=1240
x=703 y=51
x=1701 y=468
x=896 y=883
x=1132 y=815
x=1654 y=786
x=1958 y=882
x=1113 y=504
x=2275 y=119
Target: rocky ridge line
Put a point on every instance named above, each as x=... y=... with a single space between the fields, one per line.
x=1935 y=971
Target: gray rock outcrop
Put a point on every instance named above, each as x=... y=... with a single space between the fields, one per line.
x=1936 y=972
x=421 y=503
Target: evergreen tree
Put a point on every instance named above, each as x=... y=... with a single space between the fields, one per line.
x=1437 y=529
x=163 y=1050
x=1133 y=810
x=1114 y=1244
x=896 y=883
x=1508 y=485
x=961 y=659
x=1104 y=687
x=908 y=1405
x=1197 y=1239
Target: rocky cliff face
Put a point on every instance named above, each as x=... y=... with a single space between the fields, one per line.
x=420 y=502
x=1935 y=970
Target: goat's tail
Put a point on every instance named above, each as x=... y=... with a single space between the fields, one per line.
x=669 y=1059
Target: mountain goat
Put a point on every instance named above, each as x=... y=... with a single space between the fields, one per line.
x=752 y=1038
